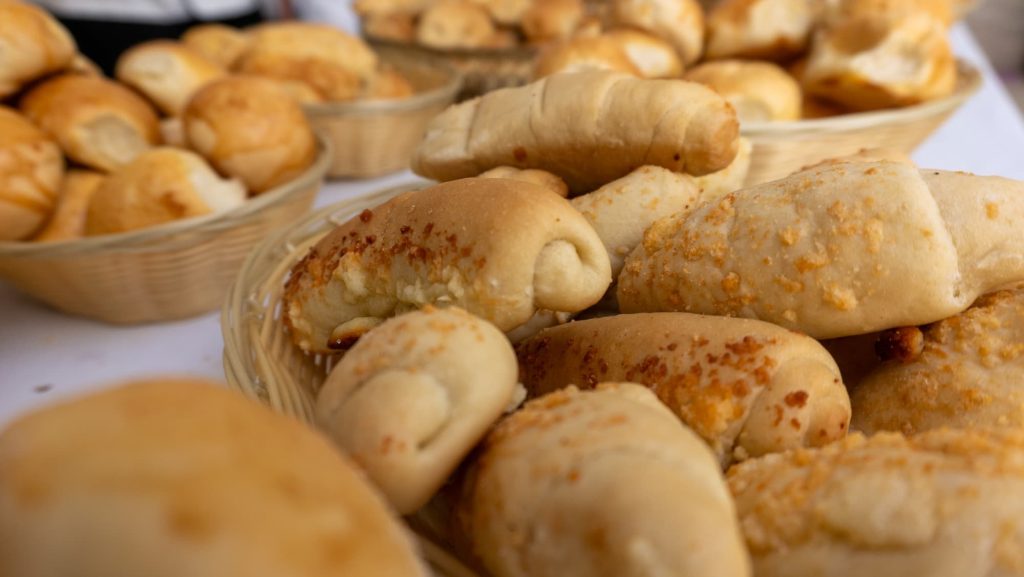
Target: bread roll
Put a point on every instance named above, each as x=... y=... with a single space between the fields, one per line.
x=410 y=400
x=765 y=29
x=966 y=374
x=835 y=12
x=455 y=24
x=388 y=84
x=501 y=249
x=759 y=91
x=728 y=179
x=679 y=22
x=68 y=220
x=588 y=128
x=98 y=123
x=374 y=7
x=218 y=43
x=837 y=250
x=538 y=177
x=582 y=54
x=507 y=12
x=390 y=26
x=179 y=477
x=549 y=20
x=652 y=56
x=32 y=45
x=942 y=504
x=876 y=154
x=621 y=210
x=598 y=483
x=161 y=185
x=746 y=387
x=248 y=128
x=305 y=79
x=31 y=168
x=166 y=72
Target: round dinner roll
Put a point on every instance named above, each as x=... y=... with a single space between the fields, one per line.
x=32 y=44
x=455 y=24
x=68 y=220
x=175 y=477
x=161 y=185
x=678 y=22
x=304 y=42
x=218 y=43
x=652 y=56
x=759 y=91
x=31 y=167
x=552 y=19
x=583 y=53
x=166 y=72
x=97 y=122
x=763 y=29
x=250 y=129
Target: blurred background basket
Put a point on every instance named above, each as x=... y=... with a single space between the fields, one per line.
x=375 y=137
x=781 y=148
x=166 y=272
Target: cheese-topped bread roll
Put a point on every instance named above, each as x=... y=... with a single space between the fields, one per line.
x=759 y=91
x=180 y=477
x=764 y=29
x=455 y=24
x=250 y=129
x=943 y=504
x=598 y=483
x=746 y=387
x=588 y=128
x=966 y=371
x=217 y=43
x=68 y=220
x=549 y=20
x=31 y=169
x=161 y=185
x=583 y=53
x=679 y=22
x=410 y=400
x=837 y=250
x=98 y=123
x=652 y=56
x=166 y=72
x=32 y=45
x=539 y=177
x=501 y=249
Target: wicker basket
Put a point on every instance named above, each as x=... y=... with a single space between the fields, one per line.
x=162 y=273
x=375 y=137
x=781 y=148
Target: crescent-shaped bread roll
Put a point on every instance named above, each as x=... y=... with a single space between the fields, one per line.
x=32 y=45
x=679 y=22
x=968 y=373
x=598 y=484
x=168 y=73
x=759 y=91
x=730 y=178
x=588 y=128
x=98 y=123
x=68 y=220
x=181 y=477
x=746 y=387
x=943 y=504
x=454 y=24
x=837 y=250
x=621 y=210
x=217 y=43
x=763 y=29
x=31 y=169
x=501 y=249
x=410 y=400
x=539 y=177
x=652 y=56
x=583 y=53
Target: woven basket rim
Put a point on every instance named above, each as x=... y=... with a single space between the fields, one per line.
x=518 y=52
x=968 y=82
x=200 y=225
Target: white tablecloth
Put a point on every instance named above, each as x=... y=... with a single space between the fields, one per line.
x=46 y=355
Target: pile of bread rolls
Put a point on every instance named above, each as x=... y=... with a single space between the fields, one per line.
x=775 y=60
x=84 y=155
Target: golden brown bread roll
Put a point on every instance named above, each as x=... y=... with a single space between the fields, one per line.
x=763 y=29
x=68 y=220
x=652 y=56
x=507 y=12
x=943 y=504
x=836 y=11
x=98 y=123
x=326 y=80
x=390 y=26
x=32 y=45
x=168 y=73
x=730 y=178
x=524 y=249
x=218 y=43
x=31 y=168
x=374 y=7
x=966 y=372
x=759 y=91
x=454 y=24
x=161 y=185
x=599 y=483
x=188 y=479
x=410 y=400
x=679 y=22
x=539 y=177
x=250 y=129
x=593 y=127
x=746 y=387
x=549 y=20
x=837 y=250
x=583 y=53
x=388 y=84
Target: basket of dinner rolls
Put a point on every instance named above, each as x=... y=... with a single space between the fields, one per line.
x=106 y=213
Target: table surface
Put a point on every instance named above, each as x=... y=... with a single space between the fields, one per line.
x=45 y=355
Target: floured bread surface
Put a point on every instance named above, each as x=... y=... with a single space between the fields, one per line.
x=945 y=504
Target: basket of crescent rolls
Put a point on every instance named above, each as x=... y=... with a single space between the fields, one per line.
x=103 y=214
x=588 y=349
